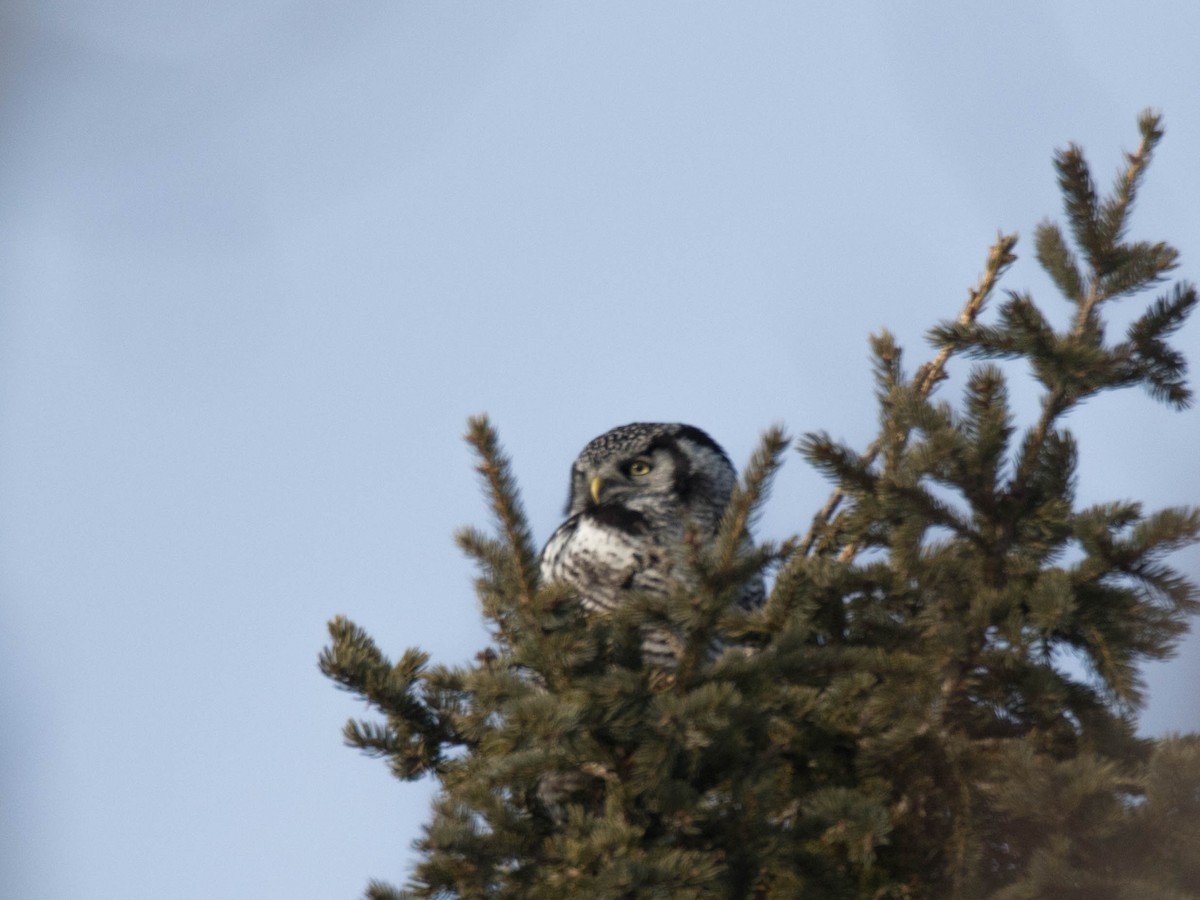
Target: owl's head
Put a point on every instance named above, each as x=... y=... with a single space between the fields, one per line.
x=659 y=470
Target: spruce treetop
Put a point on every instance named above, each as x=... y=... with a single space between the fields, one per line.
x=895 y=721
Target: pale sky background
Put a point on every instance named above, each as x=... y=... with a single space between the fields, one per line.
x=260 y=260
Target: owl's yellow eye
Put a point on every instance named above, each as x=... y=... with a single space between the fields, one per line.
x=639 y=467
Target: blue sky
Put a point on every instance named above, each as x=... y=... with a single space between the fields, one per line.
x=260 y=261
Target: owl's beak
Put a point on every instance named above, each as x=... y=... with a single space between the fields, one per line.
x=596 y=485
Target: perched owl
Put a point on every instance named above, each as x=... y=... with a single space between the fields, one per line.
x=635 y=491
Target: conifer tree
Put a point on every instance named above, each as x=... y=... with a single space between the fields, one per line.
x=897 y=721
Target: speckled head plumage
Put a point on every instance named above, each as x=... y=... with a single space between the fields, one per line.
x=670 y=469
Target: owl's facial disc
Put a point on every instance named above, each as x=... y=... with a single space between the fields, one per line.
x=629 y=481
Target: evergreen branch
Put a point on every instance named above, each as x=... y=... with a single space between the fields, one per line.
x=1054 y=403
x=1114 y=213
x=1032 y=335
x=1165 y=315
x=493 y=559
x=490 y=554
x=749 y=496
x=926 y=510
x=1139 y=265
x=1128 y=606
x=733 y=563
x=1114 y=269
x=1045 y=469
x=1113 y=665
x=1079 y=199
x=1159 y=534
x=886 y=365
x=1145 y=355
x=1107 y=225
x=1000 y=258
x=381 y=890
x=1059 y=262
x=417 y=732
x=821 y=520
x=988 y=429
x=840 y=462
x=977 y=341
x=518 y=567
x=357 y=664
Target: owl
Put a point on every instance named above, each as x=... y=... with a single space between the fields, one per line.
x=635 y=492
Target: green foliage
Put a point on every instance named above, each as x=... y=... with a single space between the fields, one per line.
x=897 y=720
